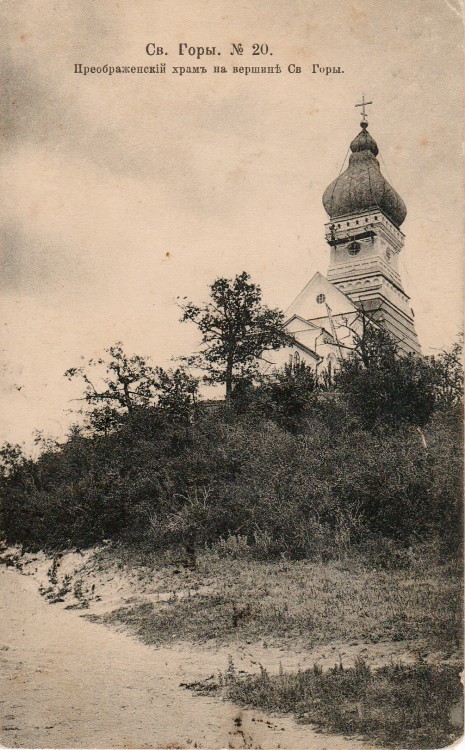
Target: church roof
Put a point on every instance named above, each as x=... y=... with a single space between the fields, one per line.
x=362 y=186
x=299 y=319
x=311 y=303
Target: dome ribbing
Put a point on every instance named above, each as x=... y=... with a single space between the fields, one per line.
x=362 y=186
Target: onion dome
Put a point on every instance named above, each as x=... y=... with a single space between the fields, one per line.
x=362 y=186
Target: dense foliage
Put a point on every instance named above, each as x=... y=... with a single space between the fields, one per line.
x=311 y=493
x=385 y=388
x=290 y=464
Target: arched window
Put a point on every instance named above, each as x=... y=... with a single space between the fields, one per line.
x=331 y=362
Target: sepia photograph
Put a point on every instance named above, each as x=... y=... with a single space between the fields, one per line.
x=231 y=434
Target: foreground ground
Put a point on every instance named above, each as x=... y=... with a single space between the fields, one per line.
x=70 y=682
x=67 y=682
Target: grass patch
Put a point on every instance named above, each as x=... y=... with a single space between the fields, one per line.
x=299 y=602
x=199 y=618
x=397 y=706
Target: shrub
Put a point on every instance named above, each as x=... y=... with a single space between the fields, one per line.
x=384 y=387
x=316 y=493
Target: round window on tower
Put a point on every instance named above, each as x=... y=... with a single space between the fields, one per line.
x=320 y=298
x=353 y=248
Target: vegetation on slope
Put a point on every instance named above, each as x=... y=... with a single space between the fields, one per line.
x=362 y=470
x=313 y=494
x=231 y=597
x=300 y=466
x=397 y=706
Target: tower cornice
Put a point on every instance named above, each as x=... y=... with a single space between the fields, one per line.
x=363 y=224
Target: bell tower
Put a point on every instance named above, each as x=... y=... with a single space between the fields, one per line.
x=365 y=239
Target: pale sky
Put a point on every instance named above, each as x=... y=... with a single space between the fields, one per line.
x=121 y=193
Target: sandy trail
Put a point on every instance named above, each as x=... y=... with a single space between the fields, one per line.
x=67 y=682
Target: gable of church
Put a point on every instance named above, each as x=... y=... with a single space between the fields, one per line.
x=311 y=304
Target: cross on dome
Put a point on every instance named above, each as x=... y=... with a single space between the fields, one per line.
x=363 y=104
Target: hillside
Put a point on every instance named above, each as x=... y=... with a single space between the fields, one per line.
x=305 y=534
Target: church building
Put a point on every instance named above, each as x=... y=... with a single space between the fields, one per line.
x=363 y=279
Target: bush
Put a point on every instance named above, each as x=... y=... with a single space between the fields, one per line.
x=384 y=387
x=318 y=493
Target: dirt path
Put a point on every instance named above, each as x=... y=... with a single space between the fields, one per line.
x=67 y=682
